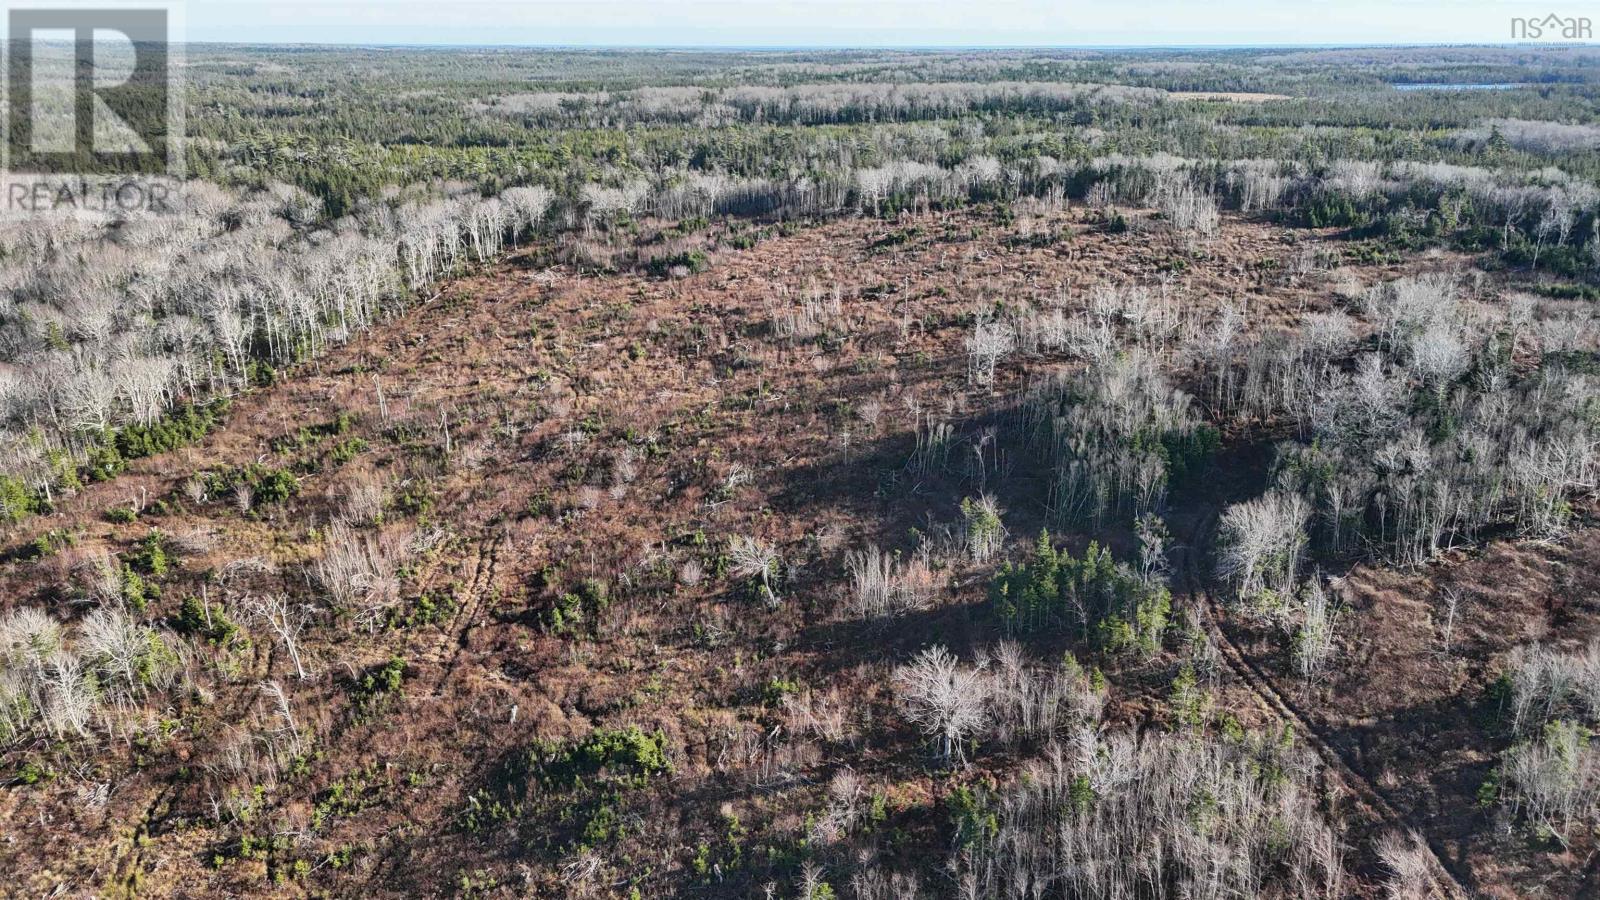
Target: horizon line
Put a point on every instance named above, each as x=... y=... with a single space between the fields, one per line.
x=1524 y=45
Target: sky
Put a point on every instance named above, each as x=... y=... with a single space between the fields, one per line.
x=860 y=23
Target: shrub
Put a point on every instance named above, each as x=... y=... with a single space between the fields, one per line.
x=185 y=426
x=757 y=561
x=122 y=514
x=583 y=780
x=378 y=683
x=136 y=592
x=427 y=609
x=264 y=484
x=346 y=450
x=1104 y=601
x=573 y=610
x=103 y=463
x=208 y=621
x=361 y=571
x=625 y=753
x=776 y=690
x=693 y=261
x=311 y=435
x=17 y=502
x=111 y=452
x=151 y=556
x=54 y=541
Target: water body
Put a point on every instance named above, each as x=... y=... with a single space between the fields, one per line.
x=1456 y=86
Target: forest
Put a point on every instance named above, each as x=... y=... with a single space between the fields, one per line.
x=865 y=474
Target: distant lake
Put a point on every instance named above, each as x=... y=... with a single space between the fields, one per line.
x=1456 y=86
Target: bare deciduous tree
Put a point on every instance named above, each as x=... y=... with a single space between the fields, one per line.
x=886 y=587
x=1554 y=781
x=286 y=619
x=944 y=699
x=68 y=696
x=1451 y=602
x=753 y=558
x=127 y=655
x=357 y=569
x=989 y=343
x=290 y=728
x=1410 y=874
x=1260 y=542
x=1314 y=636
x=1107 y=817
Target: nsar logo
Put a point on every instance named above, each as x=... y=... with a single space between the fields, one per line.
x=1551 y=27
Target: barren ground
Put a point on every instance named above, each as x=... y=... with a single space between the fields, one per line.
x=553 y=426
